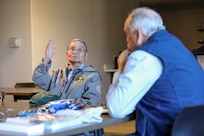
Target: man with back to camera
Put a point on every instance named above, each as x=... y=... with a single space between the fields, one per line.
x=157 y=75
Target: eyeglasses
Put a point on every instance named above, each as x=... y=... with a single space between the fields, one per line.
x=80 y=50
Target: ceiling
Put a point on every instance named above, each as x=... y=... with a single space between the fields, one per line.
x=171 y=3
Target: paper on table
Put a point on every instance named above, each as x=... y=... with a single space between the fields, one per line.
x=22 y=126
x=92 y=114
x=88 y=115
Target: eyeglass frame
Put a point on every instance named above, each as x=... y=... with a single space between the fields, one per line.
x=80 y=40
x=80 y=50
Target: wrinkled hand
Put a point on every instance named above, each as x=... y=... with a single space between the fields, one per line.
x=122 y=59
x=50 y=51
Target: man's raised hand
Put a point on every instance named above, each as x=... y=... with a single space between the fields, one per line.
x=49 y=51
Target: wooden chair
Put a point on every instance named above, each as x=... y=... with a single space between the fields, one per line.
x=189 y=122
x=23 y=85
x=28 y=84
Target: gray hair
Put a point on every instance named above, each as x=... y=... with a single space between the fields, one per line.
x=80 y=40
x=146 y=20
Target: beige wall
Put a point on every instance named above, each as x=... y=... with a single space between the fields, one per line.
x=15 y=63
x=184 y=23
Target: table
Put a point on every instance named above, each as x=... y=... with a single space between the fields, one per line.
x=13 y=108
x=21 y=93
x=107 y=121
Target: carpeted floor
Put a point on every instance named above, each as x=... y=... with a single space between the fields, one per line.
x=120 y=130
x=113 y=134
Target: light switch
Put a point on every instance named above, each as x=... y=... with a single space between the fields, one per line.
x=15 y=42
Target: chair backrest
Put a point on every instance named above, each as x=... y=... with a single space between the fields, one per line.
x=189 y=122
x=28 y=84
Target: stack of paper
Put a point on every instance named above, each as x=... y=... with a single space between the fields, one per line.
x=19 y=125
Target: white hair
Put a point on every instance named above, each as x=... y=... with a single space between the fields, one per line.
x=80 y=40
x=146 y=20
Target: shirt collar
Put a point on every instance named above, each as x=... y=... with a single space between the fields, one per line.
x=79 y=67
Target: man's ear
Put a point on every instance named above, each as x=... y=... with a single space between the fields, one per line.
x=66 y=54
x=137 y=33
x=139 y=37
x=86 y=56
